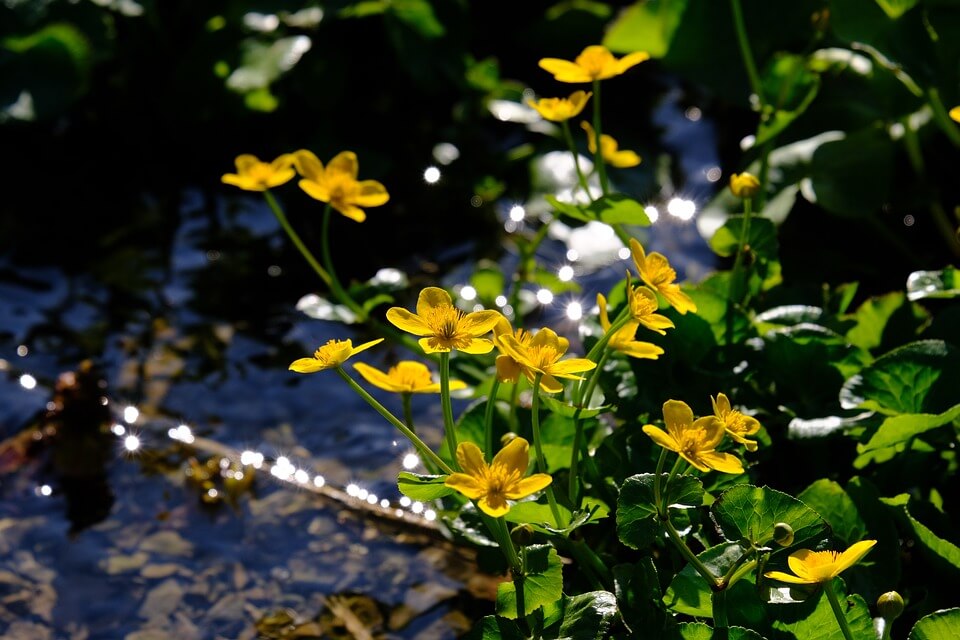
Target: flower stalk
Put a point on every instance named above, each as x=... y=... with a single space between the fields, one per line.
x=837 y=610
x=538 y=448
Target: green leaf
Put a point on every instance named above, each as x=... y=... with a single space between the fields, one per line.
x=750 y=513
x=637 y=587
x=702 y=631
x=933 y=284
x=761 y=238
x=567 y=410
x=938 y=625
x=422 y=487
x=832 y=503
x=489 y=282
x=542 y=584
x=618 y=208
x=897 y=430
x=896 y=8
x=919 y=377
x=853 y=176
x=587 y=616
x=646 y=26
x=871 y=318
x=637 y=523
x=419 y=15
x=814 y=617
x=568 y=209
x=495 y=628
x=944 y=553
x=689 y=593
x=790 y=86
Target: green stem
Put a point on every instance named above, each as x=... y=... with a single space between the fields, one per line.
x=942 y=117
x=657 y=493
x=297 y=242
x=689 y=555
x=449 y=429
x=488 y=419
x=746 y=52
x=731 y=579
x=335 y=285
x=420 y=445
x=591 y=383
x=408 y=410
x=512 y=414
x=735 y=291
x=538 y=448
x=837 y=610
x=719 y=601
x=565 y=126
x=622 y=318
x=598 y=156
x=673 y=474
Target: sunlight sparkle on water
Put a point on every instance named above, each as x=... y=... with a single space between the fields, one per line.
x=431 y=175
x=623 y=253
x=45 y=490
x=500 y=301
x=131 y=443
x=681 y=209
x=653 y=213
x=118 y=429
x=405 y=501
x=22 y=350
x=27 y=381
x=574 y=311
x=544 y=296
x=130 y=414
x=319 y=481
x=573 y=255
x=410 y=461
x=517 y=213
x=565 y=273
x=467 y=292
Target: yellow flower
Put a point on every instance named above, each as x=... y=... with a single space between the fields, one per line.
x=508 y=369
x=656 y=272
x=955 y=113
x=560 y=109
x=331 y=355
x=594 y=63
x=610 y=149
x=744 y=185
x=694 y=440
x=817 y=567
x=492 y=485
x=644 y=306
x=407 y=376
x=738 y=426
x=445 y=327
x=254 y=175
x=337 y=184
x=624 y=340
x=541 y=354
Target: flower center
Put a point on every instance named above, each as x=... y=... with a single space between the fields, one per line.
x=542 y=356
x=328 y=352
x=691 y=441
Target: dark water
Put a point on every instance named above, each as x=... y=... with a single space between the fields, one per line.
x=97 y=541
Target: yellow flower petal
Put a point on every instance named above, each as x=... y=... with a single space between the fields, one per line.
x=308 y=165
x=432 y=297
x=563 y=368
x=786 y=577
x=245 y=162
x=529 y=486
x=351 y=211
x=676 y=415
x=371 y=194
x=564 y=70
x=955 y=113
x=407 y=321
x=631 y=60
x=853 y=554
x=471 y=459
x=661 y=437
x=507 y=369
x=315 y=190
x=307 y=365
x=623 y=159
x=478 y=346
x=639 y=349
x=465 y=484
x=549 y=384
x=377 y=378
x=344 y=162
x=722 y=462
x=478 y=323
x=494 y=505
x=513 y=458
x=713 y=431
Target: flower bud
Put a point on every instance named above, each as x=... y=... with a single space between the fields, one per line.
x=522 y=535
x=744 y=185
x=890 y=605
x=783 y=534
x=507 y=438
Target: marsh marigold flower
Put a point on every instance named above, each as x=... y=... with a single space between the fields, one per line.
x=337 y=184
x=542 y=355
x=610 y=149
x=625 y=339
x=331 y=355
x=407 y=376
x=656 y=273
x=644 y=306
x=443 y=326
x=737 y=425
x=561 y=109
x=817 y=567
x=503 y=479
x=744 y=185
x=508 y=369
x=255 y=175
x=695 y=440
x=594 y=63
